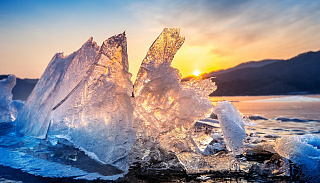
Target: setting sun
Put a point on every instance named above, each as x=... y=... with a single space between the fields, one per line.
x=196 y=73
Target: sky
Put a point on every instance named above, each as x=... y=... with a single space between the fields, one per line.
x=219 y=33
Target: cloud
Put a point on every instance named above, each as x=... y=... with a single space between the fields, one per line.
x=238 y=22
x=234 y=31
x=219 y=52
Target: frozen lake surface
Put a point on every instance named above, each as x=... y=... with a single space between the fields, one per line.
x=270 y=107
x=273 y=107
x=305 y=107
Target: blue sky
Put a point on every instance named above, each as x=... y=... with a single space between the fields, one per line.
x=219 y=34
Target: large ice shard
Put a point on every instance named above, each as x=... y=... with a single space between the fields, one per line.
x=6 y=86
x=166 y=109
x=98 y=115
x=62 y=74
x=232 y=126
x=86 y=98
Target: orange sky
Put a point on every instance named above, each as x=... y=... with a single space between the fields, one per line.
x=219 y=34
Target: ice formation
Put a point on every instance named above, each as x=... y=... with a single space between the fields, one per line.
x=86 y=98
x=6 y=106
x=232 y=126
x=304 y=151
x=165 y=108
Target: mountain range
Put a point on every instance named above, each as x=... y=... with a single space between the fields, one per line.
x=23 y=87
x=297 y=75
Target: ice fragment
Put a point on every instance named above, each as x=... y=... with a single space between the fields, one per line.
x=232 y=126
x=6 y=86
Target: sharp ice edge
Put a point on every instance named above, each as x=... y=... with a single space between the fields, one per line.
x=36 y=166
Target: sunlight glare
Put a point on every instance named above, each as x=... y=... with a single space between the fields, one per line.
x=196 y=73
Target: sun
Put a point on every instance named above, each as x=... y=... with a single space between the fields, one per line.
x=196 y=73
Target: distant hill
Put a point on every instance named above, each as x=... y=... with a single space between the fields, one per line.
x=298 y=75
x=251 y=64
x=23 y=87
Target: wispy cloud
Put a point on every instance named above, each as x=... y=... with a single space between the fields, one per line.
x=235 y=30
x=233 y=23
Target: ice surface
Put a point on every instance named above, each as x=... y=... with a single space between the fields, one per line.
x=288 y=99
x=232 y=126
x=32 y=165
x=166 y=109
x=86 y=98
x=303 y=150
x=6 y=86
x=39 y=157
x=44 y=168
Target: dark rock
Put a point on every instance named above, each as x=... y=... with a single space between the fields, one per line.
x=213 y=116
x=255 y=117
x=273 y=136
x=285 y=119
